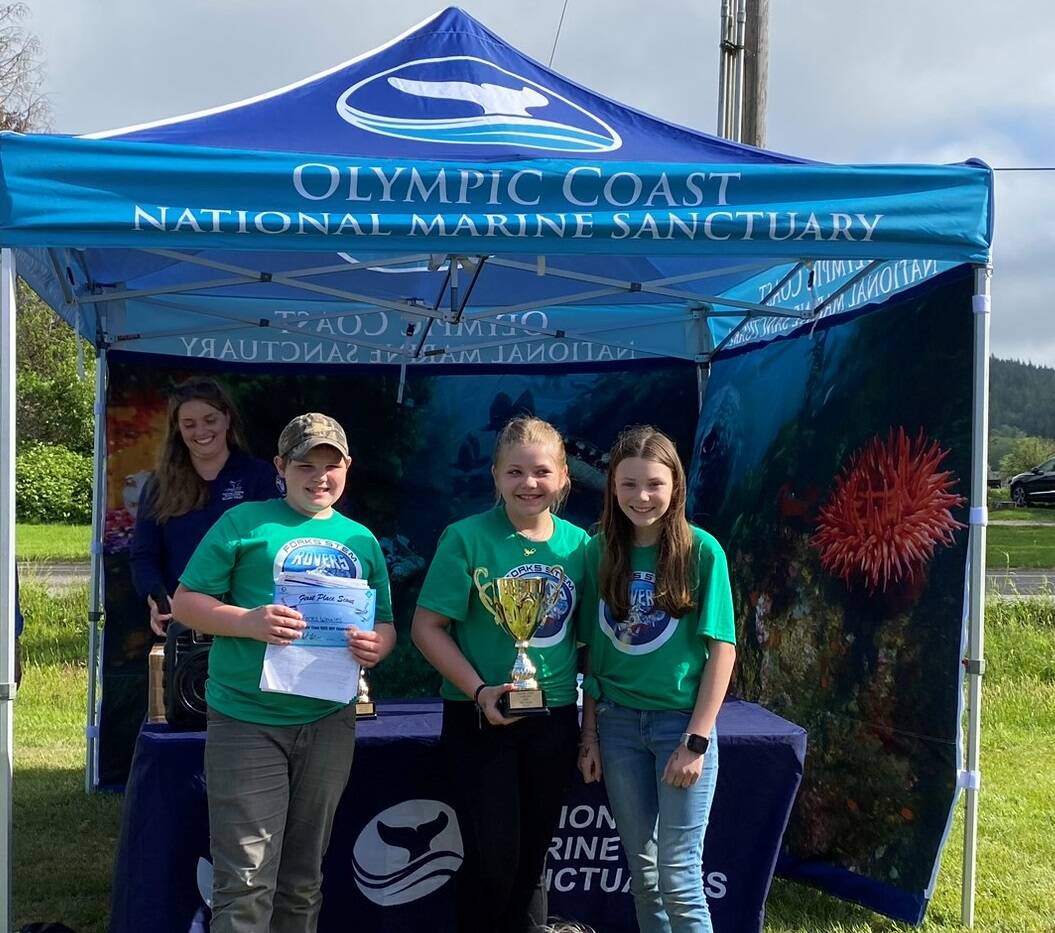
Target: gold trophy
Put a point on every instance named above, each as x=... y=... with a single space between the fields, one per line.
x=520 y=605
x=364 y=706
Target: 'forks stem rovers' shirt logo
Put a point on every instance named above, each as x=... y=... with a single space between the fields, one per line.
x=647 y=627
x=552 y=631
x=318 y=555
x=470 y=101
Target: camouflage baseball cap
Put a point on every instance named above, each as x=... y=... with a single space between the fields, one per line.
x=307 y=431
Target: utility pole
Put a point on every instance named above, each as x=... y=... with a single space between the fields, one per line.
x=756 y=73
x=727 y=55
x=743 y=71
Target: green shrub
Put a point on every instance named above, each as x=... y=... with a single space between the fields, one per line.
x=53 y=484
x=1025 y=453
x=53 y=404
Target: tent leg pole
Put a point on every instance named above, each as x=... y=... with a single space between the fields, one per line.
x=976 y=628
x=95 y=592
x=7 y=580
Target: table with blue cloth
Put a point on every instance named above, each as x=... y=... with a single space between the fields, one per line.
x=396 y=845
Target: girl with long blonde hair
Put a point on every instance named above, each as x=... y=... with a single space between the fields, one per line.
x=509 y=772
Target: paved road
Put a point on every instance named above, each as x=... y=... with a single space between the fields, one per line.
x=1021 y=583
x=59 y=575
x=1021 y=524
x=55 y=575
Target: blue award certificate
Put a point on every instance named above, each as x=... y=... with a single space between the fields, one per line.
x=309 y=666
x=329 y=605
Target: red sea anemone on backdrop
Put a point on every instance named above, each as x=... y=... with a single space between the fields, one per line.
x=888 y=512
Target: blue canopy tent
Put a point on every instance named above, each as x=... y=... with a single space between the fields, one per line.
x=394 y=209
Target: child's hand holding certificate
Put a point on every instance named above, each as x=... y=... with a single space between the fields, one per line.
x=319 y=664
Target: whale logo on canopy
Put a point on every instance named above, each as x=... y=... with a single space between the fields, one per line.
x=464 y=100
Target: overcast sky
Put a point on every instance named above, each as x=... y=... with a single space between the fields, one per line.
x=884 y=81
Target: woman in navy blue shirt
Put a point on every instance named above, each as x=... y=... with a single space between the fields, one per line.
x=203 y=470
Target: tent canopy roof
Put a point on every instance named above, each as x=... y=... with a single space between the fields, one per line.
x=447 y=82
x=446 y=178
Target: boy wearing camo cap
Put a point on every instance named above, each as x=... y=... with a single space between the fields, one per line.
x=276 y=764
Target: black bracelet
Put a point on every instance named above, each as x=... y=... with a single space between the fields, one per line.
x=476 y=696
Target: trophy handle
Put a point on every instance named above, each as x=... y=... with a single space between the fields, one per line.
x=483 y=590
x=552 y=600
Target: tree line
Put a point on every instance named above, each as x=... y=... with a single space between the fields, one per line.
x=54 y=421
x=1021 y=396
x=1021 y=415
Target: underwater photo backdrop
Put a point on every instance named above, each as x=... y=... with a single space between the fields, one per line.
x=834 y=467
x=421 y=460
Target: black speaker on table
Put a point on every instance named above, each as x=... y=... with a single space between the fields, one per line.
x=186 y=671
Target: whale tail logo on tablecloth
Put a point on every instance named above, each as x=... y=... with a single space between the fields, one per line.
x=407 y=851
x=470 y=101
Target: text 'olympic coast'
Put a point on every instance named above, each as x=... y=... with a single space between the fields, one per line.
x=581 y=202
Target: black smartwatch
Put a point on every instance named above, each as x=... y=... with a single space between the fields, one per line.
x=697 y=744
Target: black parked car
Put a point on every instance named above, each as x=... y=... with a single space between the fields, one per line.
x=1035 y=487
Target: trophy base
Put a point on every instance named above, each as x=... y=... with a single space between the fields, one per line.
x=523 y=703
x=365 y=709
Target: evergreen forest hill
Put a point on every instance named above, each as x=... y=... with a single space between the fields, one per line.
x=1021 y=399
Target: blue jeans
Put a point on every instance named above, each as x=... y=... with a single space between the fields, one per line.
x=661 y=827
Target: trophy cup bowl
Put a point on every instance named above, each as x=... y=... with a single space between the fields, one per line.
x=520 y=605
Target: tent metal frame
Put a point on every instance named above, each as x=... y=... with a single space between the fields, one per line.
x=705 y=305
x=698 y=308
x=974 y=657
x=8 y=688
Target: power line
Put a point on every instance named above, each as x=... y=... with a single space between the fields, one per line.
x=1025 y=168
x=553 y=51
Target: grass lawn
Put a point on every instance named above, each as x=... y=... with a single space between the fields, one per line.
x=1019 y=547
x=52 y=542
x=64 y=841
x=1036 y=514
x=1016 y=849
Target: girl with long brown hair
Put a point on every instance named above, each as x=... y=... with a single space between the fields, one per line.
x=203 y=469
x=657 y=619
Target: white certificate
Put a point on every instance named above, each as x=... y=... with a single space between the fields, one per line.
x=322 y=672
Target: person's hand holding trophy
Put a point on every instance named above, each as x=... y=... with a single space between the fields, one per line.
x=520 y=605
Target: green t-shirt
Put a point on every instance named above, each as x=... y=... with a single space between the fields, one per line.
x=651 y=661
x=238 y=561
x=489 y=540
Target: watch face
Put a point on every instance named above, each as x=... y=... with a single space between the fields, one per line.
x=697 y=744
